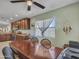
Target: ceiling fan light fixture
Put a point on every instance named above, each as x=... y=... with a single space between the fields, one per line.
x=29 y=2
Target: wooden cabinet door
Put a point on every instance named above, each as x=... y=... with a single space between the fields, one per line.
x=21 y=24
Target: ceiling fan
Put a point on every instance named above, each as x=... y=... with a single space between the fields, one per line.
x=29 y=3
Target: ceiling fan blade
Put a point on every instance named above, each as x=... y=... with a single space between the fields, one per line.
x=39 y=5
x=29 y=8
x=16 y=1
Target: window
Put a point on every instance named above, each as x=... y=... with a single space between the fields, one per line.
x=45 y=28
x=52 y=24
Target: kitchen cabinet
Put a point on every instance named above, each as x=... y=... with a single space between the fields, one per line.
x=21 y=24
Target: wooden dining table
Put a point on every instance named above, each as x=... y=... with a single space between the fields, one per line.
x=24 y=49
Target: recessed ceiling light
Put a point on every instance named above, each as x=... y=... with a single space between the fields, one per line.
x=11 y=18
x=16 y=15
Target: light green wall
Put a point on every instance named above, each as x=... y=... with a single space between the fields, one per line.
x=64 y=16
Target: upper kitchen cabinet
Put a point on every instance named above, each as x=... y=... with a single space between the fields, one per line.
x=21 y=24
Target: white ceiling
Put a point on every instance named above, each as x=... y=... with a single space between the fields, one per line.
x=19 y=10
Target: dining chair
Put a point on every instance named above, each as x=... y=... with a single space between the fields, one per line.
x=8 y=53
